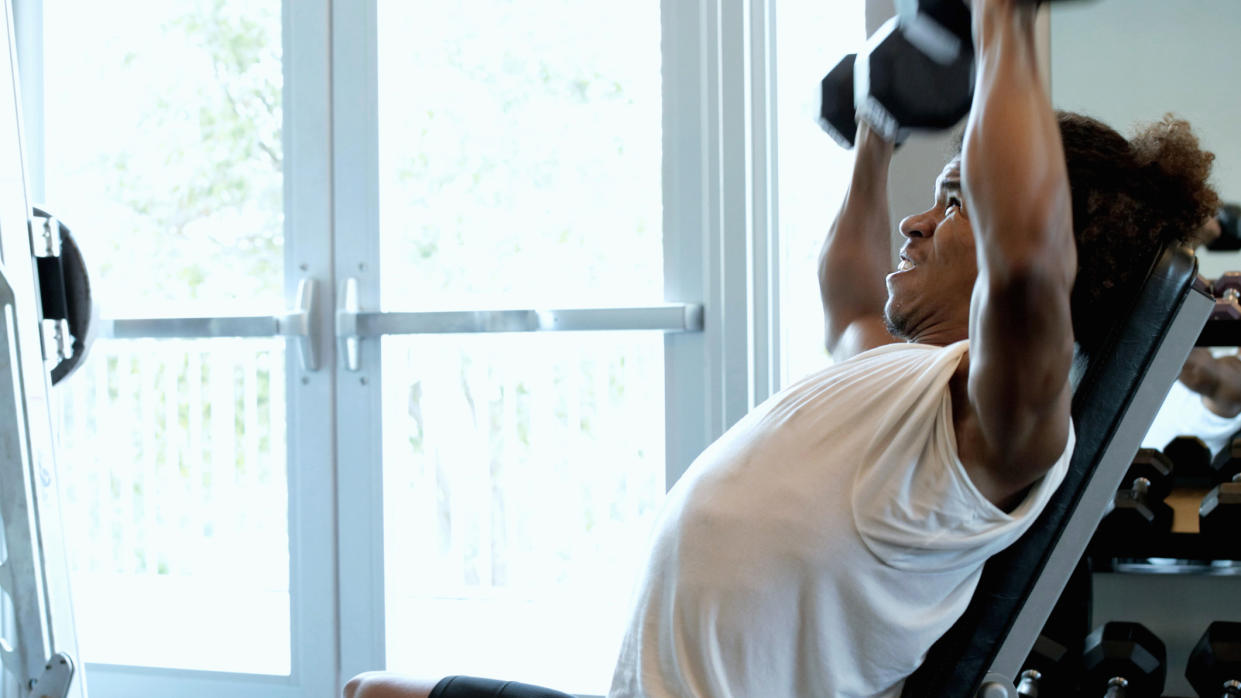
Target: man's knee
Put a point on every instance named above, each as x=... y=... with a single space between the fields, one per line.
x=381 y=684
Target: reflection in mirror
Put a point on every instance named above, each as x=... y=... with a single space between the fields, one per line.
x=1128 y=63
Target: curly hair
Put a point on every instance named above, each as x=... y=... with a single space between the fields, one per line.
x=1131 y=199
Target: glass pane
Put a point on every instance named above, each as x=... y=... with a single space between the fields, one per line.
x=522 y=474
x=172 y=461
x=814 y=171
x=163 y=128
x=163 y=154
x=520 y=153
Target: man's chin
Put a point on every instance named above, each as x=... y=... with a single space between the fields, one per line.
x=897 y=325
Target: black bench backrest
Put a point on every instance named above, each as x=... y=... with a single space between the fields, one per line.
x=1105 y=384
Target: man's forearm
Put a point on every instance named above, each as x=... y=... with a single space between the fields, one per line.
x=1216 y=379
x=1015 y=178
x=857 y=255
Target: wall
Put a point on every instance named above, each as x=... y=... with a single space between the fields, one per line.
x=1131 y=62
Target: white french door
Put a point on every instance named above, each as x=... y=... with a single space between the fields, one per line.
x=502 y=401
x=184 y=144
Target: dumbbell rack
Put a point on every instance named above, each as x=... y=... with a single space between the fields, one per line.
x=1176 y=553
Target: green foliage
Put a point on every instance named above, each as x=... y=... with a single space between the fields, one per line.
x=204 y=179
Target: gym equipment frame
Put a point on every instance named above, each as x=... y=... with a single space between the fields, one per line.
x=41 y=653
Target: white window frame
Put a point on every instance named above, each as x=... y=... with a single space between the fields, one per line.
x=314 y=670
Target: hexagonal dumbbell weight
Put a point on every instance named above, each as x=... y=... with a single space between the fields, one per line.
x=1227 y=464
x=1219 y=515
x=1124 y=659
x=915 y=73
x=837 y=115
x=1227 y=290
x=1191 y=458
x=1047 y=671
x=1155 y=467
x=1214 y=668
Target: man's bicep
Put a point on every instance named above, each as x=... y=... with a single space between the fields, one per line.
x=862 y=334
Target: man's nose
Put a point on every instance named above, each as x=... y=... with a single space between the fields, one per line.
x=919 y=225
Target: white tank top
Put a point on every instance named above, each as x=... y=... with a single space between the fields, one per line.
x=823 y=543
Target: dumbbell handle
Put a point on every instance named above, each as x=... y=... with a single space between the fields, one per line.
x=1028 y=688
x=1117 y=687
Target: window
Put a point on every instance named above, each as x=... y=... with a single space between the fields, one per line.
x=814 y=170
x=164 y=155
x=519 y=166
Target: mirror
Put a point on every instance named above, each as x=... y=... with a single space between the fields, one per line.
x=1131 y=62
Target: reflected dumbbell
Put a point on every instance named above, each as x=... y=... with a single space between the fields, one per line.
x=1136 y=514
x=1219 y=516
x=1156 y=467
x=1227 y=291
x=1229 y=221
x=1227 y=464
x=1191 y=458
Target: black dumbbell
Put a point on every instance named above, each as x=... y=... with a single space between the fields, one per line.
x=837 y=116
x=1137 y=514
x=1155 y=467
x=1227 y=290
x=1219 y=515
x=1124 y=660
x=1214 y=667
x=901 y=86
x=1191 y=458
x=1229 y=219
x=1227 y=463
x=915 y=72
x=1048 y=669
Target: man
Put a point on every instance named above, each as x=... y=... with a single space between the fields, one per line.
x=1206 y=401
x=826 y=541
x=832 y=535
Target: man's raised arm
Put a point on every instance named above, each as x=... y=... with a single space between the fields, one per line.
x=1017 y=193
x=856 y=255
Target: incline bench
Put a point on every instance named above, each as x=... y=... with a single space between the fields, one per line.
x=1116 y=392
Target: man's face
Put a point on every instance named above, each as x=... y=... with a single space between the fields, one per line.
x=929 y=293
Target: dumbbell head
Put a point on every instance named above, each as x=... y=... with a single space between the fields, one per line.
x=836 y=112
x=898 y=88
x=1136 y=513
x=1155 y=467
x=1229 y=219
x=1227 y=464
x=1048 y=669
x=1125 y=650
x=1190 y=455
x=938 y=28
x=1227 y=290
x=1219 y=515
x=1226 y=309
x=1216 y=661
x=1228 y=285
